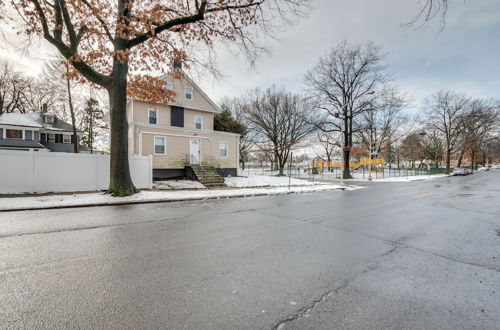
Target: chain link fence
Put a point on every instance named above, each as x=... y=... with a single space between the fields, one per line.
x=306 y=171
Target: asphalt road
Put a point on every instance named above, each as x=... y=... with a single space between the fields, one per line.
x=419 y=255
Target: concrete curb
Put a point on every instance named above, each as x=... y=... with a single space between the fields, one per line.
x=152 y=201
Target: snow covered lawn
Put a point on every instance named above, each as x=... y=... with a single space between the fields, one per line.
x=93 y=199
x=177 y=184
x=412 y=178
x=265 y=181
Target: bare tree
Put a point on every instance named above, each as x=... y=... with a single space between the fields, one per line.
x=343 y=83
x=433 y=148
x=329 y=142
x=236 y=106
x=378 y=127
x=446 y=111
x=56 y=75
x=480 y=120
x=280 y=119
x=13 y=90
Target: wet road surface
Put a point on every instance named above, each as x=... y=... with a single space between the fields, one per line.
x=418 y=255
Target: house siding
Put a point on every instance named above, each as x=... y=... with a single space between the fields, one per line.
x=177 y=146
x=140 y=115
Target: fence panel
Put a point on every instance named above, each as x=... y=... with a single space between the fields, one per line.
x=31 y=171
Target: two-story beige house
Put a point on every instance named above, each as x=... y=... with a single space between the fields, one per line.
x=181 y=133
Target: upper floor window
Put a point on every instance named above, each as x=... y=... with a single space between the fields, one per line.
x=160 y=145
x=188 y=93
x=223 y=149
x=49 y=119
x=198 y=122
x=14 y=134
x=152 y=116
x=169 y=86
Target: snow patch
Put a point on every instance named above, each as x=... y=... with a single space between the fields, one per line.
x=265 y=181
x=178 y=184
x=18 y=203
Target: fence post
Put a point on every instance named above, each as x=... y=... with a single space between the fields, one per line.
x=33 y=171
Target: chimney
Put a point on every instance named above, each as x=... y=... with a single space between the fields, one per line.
x=177 y=65
x=44 y=107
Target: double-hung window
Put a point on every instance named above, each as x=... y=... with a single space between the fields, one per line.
x=66 y=138
x=198 y=122
x=188 y=93
x=160 y=145
x=223 y=149
x=51 y=137
x=14 y=134
x=152 y=116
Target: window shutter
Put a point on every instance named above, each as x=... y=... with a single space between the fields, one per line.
x=28 y=135
x=177 y=116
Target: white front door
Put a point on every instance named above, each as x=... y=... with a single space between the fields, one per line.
x=194 y=151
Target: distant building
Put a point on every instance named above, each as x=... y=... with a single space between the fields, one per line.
x=38 y=130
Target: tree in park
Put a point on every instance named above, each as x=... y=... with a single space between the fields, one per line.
x=446 y=114
x=346 y=83
x=92 y=114
x=280 y=120
x=120 y=45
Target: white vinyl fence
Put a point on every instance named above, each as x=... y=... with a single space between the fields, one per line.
x=34 y=171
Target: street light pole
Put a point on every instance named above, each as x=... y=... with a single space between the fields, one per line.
x=370 y=159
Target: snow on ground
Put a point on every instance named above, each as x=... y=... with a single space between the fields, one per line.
x=360 y=177
x=409 y=178
x=91 y=199
x=265 y=181
x=177 y=184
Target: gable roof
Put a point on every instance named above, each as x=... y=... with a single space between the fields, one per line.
x=34 y=119
x=195 y=85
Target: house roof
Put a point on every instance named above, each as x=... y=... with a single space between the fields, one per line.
x=14 y=143
x=195 y=85
x=34 y=119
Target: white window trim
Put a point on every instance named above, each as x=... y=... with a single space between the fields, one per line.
x=157 y=116
x=53 y=137
x=164 y=145
x=201 y=122
x=23 y=136
x=227 y=148
x=192 y=93
x=69 y=138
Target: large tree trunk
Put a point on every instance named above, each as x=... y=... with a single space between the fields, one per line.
x=120 y=182
x=448 y=156
x=460 y=158
x=347 y=171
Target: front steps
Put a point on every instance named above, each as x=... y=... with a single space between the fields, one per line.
x=207 y=175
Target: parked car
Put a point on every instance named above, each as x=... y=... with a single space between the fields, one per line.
x=461 y=170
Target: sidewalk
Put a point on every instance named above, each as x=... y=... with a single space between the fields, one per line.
x=102 y=199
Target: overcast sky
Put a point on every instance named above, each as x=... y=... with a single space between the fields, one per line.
x=464 y=57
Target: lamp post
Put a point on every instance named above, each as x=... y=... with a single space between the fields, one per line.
x=337 y=115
